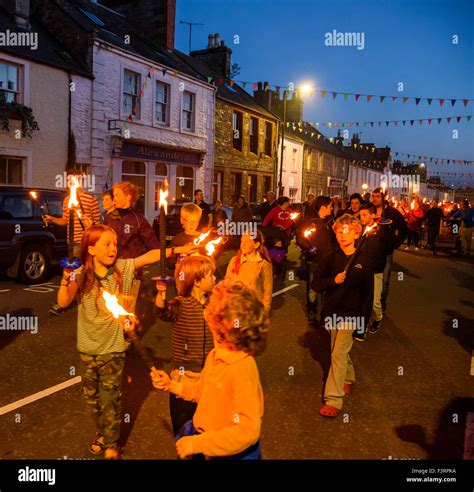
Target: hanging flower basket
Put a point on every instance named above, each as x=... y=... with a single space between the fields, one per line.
x=17 y=111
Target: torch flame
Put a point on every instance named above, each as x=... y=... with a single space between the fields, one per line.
x=211 y=245
x=412 y=206
x=34 y=194
x=201 y=238
x=111 y=303
x=294 y=215
x=73 y=193
x=368 y=229
x=163 y=202
x=309 y=231
x=79 y=214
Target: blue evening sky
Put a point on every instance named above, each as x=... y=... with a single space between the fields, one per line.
x=407 y=41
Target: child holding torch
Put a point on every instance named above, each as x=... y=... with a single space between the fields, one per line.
x=228 y=392
x=100 y=335
x=191 y=339
x=345 y=277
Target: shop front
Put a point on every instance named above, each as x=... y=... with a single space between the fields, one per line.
x=148 y=166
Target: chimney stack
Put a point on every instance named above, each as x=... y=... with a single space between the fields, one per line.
x=20 y=10
x=217 y=55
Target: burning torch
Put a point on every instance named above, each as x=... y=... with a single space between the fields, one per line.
x=71 y=262
x=163 y=279
x=34 y=196
x=113 y=306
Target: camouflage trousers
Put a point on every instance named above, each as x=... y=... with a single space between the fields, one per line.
x=102 y=387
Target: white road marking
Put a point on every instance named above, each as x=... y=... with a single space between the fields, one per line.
x=39 y=395
x=77 y=379
x=5 y=290
x=285 y=289
x=42 y=288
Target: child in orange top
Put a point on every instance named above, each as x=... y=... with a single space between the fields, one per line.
x=228 y=417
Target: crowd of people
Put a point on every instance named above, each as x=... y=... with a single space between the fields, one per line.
x=218 y=328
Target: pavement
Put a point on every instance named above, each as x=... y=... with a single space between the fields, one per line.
x=412 y=398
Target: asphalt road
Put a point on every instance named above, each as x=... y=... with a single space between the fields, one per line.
x=413 y=393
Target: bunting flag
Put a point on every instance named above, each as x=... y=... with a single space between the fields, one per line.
x=346 y=94
x=389 y=122
x=209 y=80
x=164 y=70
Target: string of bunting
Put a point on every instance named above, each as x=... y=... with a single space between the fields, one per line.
x=342 y=124
x=345 y=95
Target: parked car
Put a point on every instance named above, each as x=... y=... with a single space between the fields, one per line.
x=29 y=247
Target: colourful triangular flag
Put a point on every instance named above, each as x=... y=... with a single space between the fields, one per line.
x=382 y=98
x=323 y=93
x=468 y=118
x=448 y=119
x=231 y=83
x=369 y=98
x=164 y=70
x=465 y=101
x=334 y=94
x=429 y=101
x=439 y=121
x=244 y=84
x=357 y=97
x=417 y=100
x=429 y=121
x=394 y=97
x=458 y=119
x=441 y=102
x=346 y=95
x=453 y=102
x=209 y=80
x=255 y=85
x=405 y=99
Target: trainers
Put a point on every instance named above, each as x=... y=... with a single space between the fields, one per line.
x=407 y=247
x=375 y=326
x=56 y=309
x=416 y=249
x=360 y=337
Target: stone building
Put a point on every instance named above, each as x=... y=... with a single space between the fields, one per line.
x=246 y=134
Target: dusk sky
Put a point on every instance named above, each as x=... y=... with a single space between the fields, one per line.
x=404 y=41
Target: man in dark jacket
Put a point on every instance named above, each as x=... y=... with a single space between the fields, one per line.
x=314 y=235
x=266 y=206
x=392 y=235
x=375 y=251
x=433 y=218
x=346 y=278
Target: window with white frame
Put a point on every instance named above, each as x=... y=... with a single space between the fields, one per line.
x=184 y=183
x=294 y=158
x=187 y=115
x=161 y=174
x=162 y=96
x=131 y=93
x=135 y=173
x=9 y=82
x=293 y=192
x=11 y=170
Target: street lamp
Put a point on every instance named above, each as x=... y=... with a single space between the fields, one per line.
x=304 y=89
